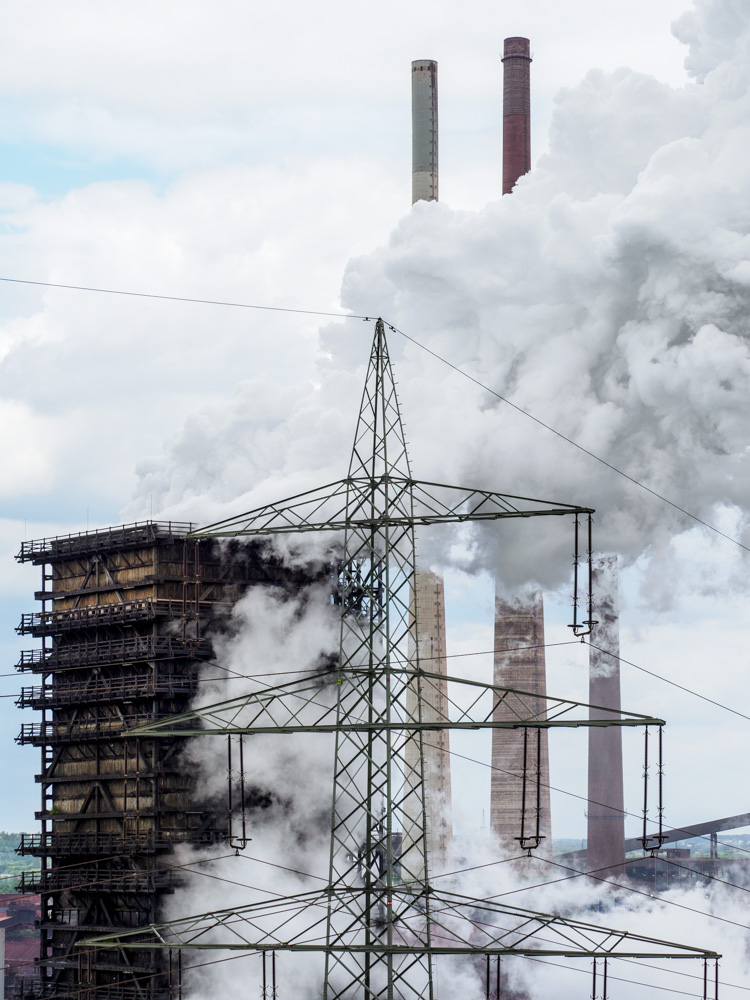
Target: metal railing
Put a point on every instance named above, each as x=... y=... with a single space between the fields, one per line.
x=120 y=536
x=41 y=623
x=27 y=988
x=96 y=880
x=105 y=690
x=40 y=733
x=135 y=648
x=53 y=844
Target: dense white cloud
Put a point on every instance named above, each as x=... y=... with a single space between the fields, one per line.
x=608 y=296
x=256 y=235
x=713 y=31
x=92 y=384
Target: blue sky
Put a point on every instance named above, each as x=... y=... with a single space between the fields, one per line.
x=51 y=172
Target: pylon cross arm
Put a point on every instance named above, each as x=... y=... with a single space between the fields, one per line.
x=309 y=706
x=382 y=501
x=460 y=926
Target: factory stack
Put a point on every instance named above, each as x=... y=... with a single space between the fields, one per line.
x=606 y=813
x=424 y=135
x=516 y=111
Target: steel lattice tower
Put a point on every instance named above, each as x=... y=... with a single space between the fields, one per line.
x=376 y=779
x=380 y=921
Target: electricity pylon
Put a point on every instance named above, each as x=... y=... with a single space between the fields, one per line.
x=380 y=921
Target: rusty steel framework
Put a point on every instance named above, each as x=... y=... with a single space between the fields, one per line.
x=125 y=625
x=380 y=921
x=112 y=809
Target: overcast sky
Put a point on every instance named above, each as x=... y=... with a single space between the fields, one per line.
x=256 y=155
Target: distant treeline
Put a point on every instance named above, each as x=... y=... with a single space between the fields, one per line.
x=12 y=864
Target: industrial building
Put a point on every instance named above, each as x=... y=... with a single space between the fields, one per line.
x=19 y=948
x=126 y=619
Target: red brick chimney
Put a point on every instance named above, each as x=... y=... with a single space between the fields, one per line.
x=516 y=111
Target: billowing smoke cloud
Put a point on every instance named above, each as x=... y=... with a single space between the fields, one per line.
x=271 y=639
x=608 y=296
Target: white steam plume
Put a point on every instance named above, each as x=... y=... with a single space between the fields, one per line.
x=288 y=784
x=289 y=823
x=608 y=295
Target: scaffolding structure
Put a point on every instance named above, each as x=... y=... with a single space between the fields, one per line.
x=125 y=624
x=380 y=922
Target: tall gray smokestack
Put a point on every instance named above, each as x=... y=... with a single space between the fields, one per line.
x=428 y=605
x=424 y=131
x=516 y=111
x=606 y=814
x=519 y=664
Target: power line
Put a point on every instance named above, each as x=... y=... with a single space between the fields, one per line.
x=563 y=791
x=576 y=874
x=638 y=892
x=187 y=867
x=539 y=885
x=417 y=343
x=687 y=690
x=697 y=911
x=254 y=954
x=621 y=979
x=183 y=298
x=482 y=653
x=485 y=652
x=677 y=972
x=570 y=441
x=138 y=979
x=273 y=864
x=119 y=876
x=591 y=873
x=687 y=868
x=315 y=670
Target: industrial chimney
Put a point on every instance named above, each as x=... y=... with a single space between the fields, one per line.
x=520 y=664
x=428 y=607
x=424 y=131
x=516 y=111
x=606 y=813
x=519 y=625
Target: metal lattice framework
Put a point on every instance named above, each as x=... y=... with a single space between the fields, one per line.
x=379 y=921
x=459 y=925
x=309 y=705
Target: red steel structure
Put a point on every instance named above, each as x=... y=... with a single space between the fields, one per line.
x=516 y=111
